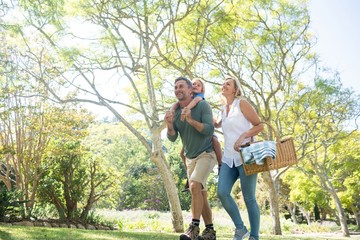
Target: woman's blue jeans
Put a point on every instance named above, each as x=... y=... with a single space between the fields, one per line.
x=227 y=179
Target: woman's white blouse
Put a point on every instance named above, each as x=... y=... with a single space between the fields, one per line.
x=233 y=125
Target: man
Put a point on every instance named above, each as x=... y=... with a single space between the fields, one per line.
x=196 y=133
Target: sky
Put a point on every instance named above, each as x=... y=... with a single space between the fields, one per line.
x=336 y=24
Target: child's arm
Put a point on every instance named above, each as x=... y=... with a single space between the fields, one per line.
x=193 y=102
x=174 y=107
x=217 y=149
x=217 y=124
x=183 y=157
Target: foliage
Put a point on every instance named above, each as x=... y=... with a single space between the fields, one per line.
x=10 y=207
x=96 y=219
x=65 y=177
x=28 y=124
x=138 y=186
x=318 y=136
x=72 y=180
x=305 y=192
x=178 y=170
x=347 y=173
x=44 y=211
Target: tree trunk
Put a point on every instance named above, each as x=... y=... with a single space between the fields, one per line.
x=5 y=169
x=341 y=214
x=159 y=159
x=340 y=211
x=274 y=203
x=306 y=214
x=58 y=204
x=316 y=213
x=323 y=214
x=292 y=210
x=357 y=216
x=157 y=156
x=89 y=203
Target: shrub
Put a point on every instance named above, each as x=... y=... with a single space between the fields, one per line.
x=10 y=207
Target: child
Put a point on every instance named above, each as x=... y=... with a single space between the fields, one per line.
x=198 y=95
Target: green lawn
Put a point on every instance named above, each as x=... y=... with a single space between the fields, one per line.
x=140 y=224
x=32 y=233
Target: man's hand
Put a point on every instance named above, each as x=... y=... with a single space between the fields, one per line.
x=169 y=117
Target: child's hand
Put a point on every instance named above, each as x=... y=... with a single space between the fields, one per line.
x=186 y=112
x=182 y=116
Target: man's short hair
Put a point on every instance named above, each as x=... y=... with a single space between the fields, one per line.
x=188 y=82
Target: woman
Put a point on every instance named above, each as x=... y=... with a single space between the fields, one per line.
x=239 y=123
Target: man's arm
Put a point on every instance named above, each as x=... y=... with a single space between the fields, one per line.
x=205 y=127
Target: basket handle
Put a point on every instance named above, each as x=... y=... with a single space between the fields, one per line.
x=277 y=136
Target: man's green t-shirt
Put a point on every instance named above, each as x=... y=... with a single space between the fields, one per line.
x=195 y=142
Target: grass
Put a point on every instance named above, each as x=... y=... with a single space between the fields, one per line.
x=156 y=225
x=41 y=233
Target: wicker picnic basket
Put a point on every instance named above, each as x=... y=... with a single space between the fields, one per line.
x=285 y=156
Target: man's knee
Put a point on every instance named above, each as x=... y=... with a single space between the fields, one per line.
x=195 y=187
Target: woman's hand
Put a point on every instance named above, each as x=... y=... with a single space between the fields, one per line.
x=239 y=142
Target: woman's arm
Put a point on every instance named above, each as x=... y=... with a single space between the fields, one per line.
x=251 y=115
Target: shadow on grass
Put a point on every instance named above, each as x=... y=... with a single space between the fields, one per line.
x=6 y=235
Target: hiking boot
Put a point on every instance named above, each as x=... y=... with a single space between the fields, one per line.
x=192 y=233
x=186 y=188
x=251 y=238
x=208 y=234
x=241 y=234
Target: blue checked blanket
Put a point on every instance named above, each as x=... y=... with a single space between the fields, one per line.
x=257 y=152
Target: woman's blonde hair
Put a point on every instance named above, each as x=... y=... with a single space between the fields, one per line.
x=202 y=83
x=237 y=84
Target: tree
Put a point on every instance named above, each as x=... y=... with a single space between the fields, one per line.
x=305 y=194
x=24 y=137
x=72 y=177
x=322 y=113
x=347 y=173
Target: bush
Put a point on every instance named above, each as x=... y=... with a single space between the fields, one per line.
x=10 y=207
x=96 y=219
x=42 y=211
